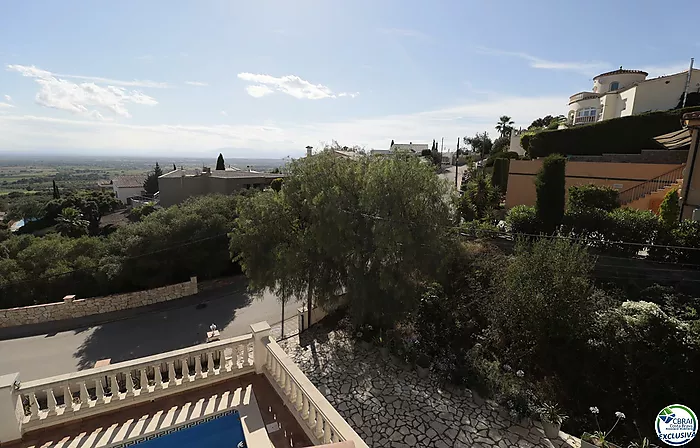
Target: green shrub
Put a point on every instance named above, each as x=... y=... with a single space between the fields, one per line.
x=499 y=176
x=686 y=234
x=550 y=183
x=670 y=209
x=585 y=197
x=522 y=219
x=276 y=184
x=649 y=358
x=140 y=212
x=544 y=286
x=626 y=135
x=630 y=226
x=479 y=198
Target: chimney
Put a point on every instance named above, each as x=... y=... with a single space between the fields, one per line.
x=308 y=151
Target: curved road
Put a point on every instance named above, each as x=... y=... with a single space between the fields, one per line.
x=137 y=333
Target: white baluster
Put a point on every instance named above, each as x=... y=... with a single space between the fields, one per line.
x=99 y=391
x=210 y=364
x=197 y=366
x=327 y=432
x=304 y=407
x=51 y=402
x=171 y=373
x=67 y=398
x=335 y=438
x=158 y=377
x=185 y=371
x=114 y=386
x=298 y=399
x=321 y=426
x=288 y=386
x=311 y=421
x=246 y=359
x=129 y=385
x=277 y=370
x=295 y=395
x=144 y=381
x=84 y=395
x=33 y=406
x=268 y=360
x=282 y=380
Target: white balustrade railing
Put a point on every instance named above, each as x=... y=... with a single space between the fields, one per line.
x=315 y=414
x=54 y=400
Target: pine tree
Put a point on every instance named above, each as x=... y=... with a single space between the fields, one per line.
x=220 y=165
x=174 y=167
x=392 y=143
x=56 y=194
x=670 y=208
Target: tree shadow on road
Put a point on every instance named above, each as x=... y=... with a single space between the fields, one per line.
x=152 y=333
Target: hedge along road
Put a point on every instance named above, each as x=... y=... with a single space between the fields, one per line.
x=53 y=350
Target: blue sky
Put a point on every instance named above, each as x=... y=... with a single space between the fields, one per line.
x=266 y=78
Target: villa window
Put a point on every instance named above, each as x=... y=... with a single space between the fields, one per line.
x=614 y=85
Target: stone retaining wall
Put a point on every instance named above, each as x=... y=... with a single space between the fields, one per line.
x=71 y=308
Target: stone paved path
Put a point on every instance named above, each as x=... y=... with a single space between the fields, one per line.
x=389 y=406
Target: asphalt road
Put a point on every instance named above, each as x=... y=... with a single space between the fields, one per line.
x=449 y=175
x=144 y=332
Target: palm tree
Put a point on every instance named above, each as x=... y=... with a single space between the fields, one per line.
x=71 y=223
x=505 y=125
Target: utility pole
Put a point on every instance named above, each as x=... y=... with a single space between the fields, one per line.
x=457 y=164
x=687 y=81
x=442 y=147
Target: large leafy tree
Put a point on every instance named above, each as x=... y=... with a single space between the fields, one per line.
x=371 y=227
x=504 y=125
x=480 y=143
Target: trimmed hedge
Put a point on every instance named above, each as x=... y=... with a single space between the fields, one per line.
x=585 y=197
x=626 y=135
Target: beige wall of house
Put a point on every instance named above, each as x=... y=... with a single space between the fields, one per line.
x=621 y=176
x=174 y=189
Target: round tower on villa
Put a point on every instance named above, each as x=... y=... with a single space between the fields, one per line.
x=598 y=104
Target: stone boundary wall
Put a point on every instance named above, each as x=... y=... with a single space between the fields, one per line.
x=662 y=156
x=71 y=307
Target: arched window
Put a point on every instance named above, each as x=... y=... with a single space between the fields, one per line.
x=614 y=85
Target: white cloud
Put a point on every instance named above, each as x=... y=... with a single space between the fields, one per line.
x=8 y=98
x=224 y=113
x=85 y=98
x=670 y=69
x=34 y=72
x=6 y=105
x=272 y=139
x=196 y=83
x=290 y=84
x=586 y=68
x=258 y=90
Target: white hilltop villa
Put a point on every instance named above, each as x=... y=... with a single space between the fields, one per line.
x=622 y=92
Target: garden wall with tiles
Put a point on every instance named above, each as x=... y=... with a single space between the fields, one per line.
x=70 y=307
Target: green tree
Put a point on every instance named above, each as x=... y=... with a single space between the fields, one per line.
x=276 y=184
x=174 y=167
x=480 y=198
x=499 y=175
x=56 y=194
x=220 y=165
x=504 y=125
x=151 y=182
x=480 y=143
x=372 y=227
x=501 y=144
x=670 y=209
x=71 y=223
x=392 y=143
x=550 y=184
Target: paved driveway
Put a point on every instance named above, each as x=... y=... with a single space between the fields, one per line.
x=139 y=333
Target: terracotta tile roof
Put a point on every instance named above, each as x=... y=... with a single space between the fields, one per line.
x=622 y=71
x=129 y=181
